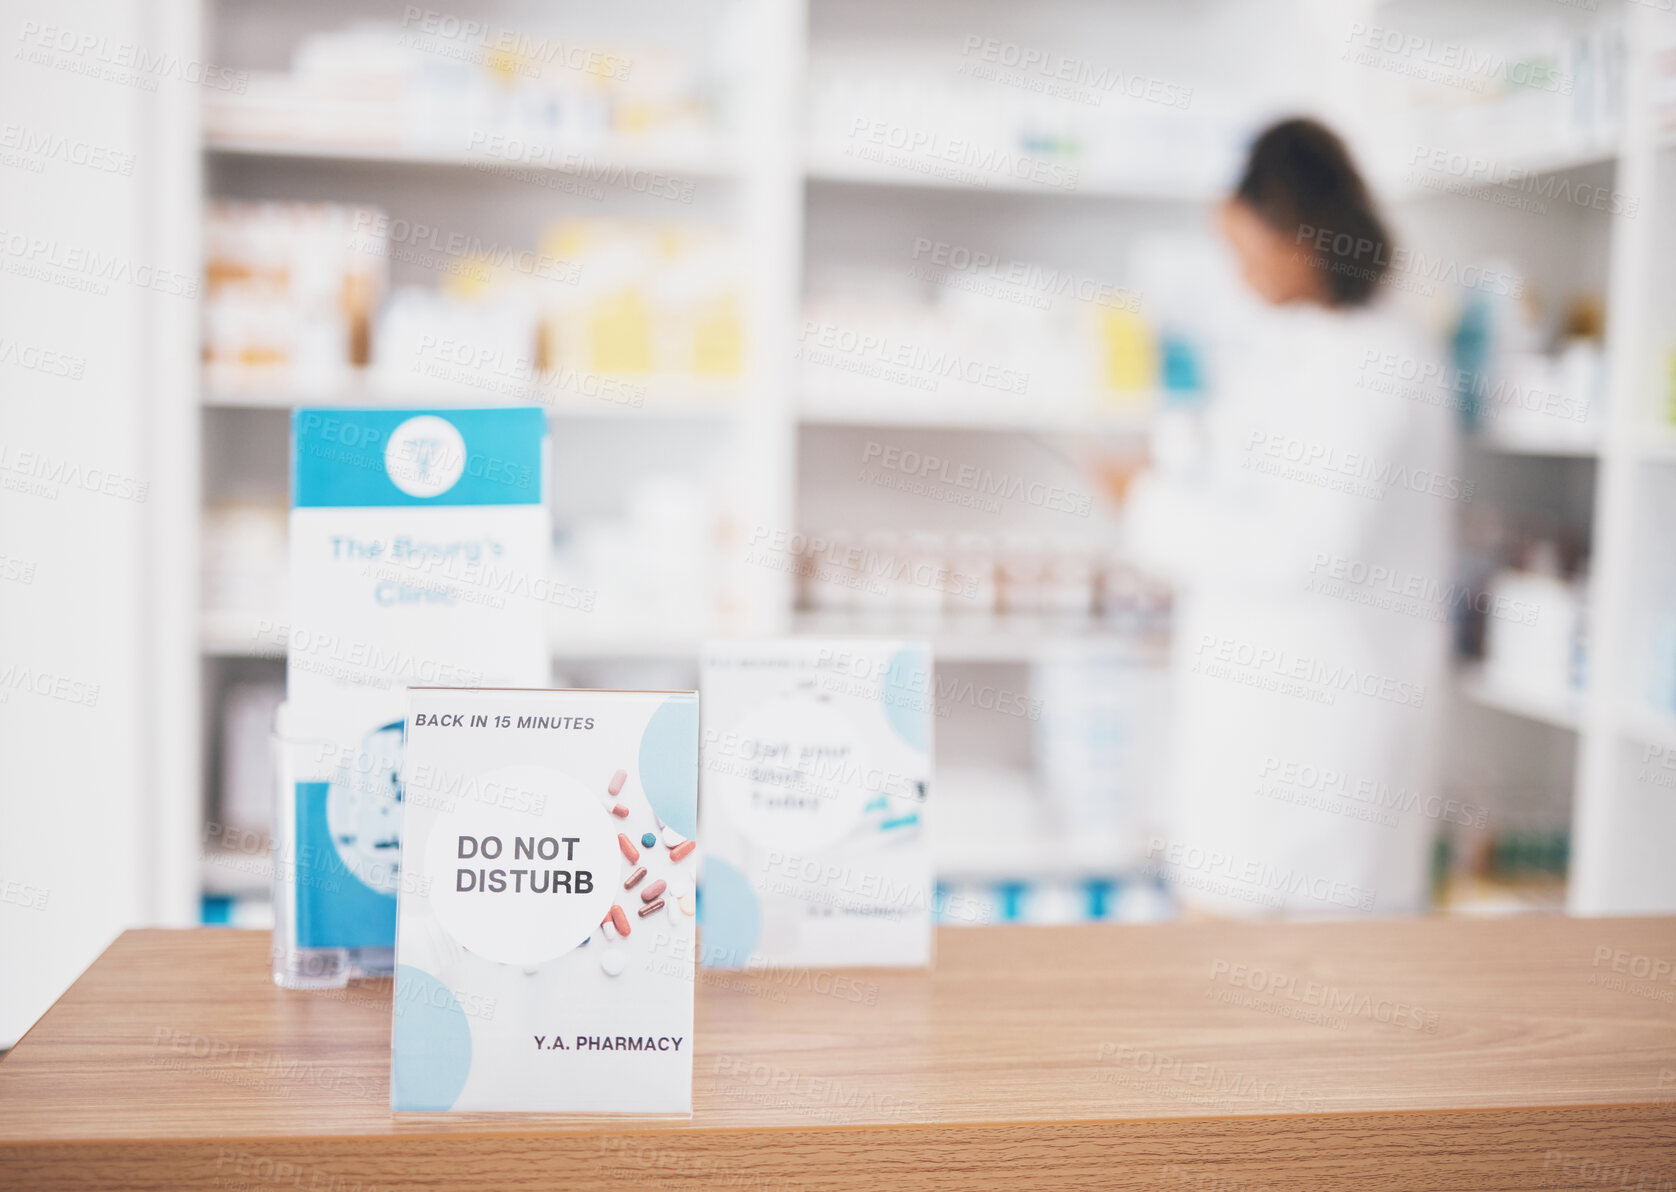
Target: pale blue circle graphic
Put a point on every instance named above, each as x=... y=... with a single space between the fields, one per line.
x=907 y=695
x=729 y=913
x=432 y=1042
x=668 y=753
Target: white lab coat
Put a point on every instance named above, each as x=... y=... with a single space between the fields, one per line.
x=1310 y=544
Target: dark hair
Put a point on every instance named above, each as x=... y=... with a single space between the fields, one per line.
x=1300 y=180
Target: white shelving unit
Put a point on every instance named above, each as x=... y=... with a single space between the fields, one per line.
x=756 y=196
x=803 y=208
x=716 y=161
x=823 y=168
x=1622 y=817
x=1625 y=815
x=1558 y=710
x=880 y=410
x=664 y=398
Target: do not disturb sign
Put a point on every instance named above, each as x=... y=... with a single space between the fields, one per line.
x=522 y=887
x=552 y=830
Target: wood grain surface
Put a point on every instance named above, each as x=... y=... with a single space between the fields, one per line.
x=1428 y=1053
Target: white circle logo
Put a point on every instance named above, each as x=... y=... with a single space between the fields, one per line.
x=521 y=887
x=425 y=456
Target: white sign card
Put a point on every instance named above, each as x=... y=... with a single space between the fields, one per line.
x=815 y=770
x=544 y=950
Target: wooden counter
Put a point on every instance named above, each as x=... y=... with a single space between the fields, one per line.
x=1473 y=1055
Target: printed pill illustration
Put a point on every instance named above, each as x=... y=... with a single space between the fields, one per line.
x=618 y=810
x=633 y=879
x=653 y=890
x=620 y=920
x=680 y=851
x=651 y=908
x=613 y=961
x=617 y=780
x=627 y=845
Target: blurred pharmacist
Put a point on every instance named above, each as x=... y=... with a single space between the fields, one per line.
x=1307 y=528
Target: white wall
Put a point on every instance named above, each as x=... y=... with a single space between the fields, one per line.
x=94 y=290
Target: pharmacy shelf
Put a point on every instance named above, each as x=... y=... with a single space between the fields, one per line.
x=712 y=159
x=228 y=873
x=624 y=645
x=1491 y=898
x=1658 y=445
x=226 y=633
x=1551 y=449
x=1025 y=855
x=1616 y=866
x=1511 y=169
x=235 y=634
x=947 y=645
x=1648 y=725
x=659 y=397
x=824 y=166
x=888 y=409
x=1089 y=643
x=1557 y=709
x=783 y=183
x=1002 y=639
